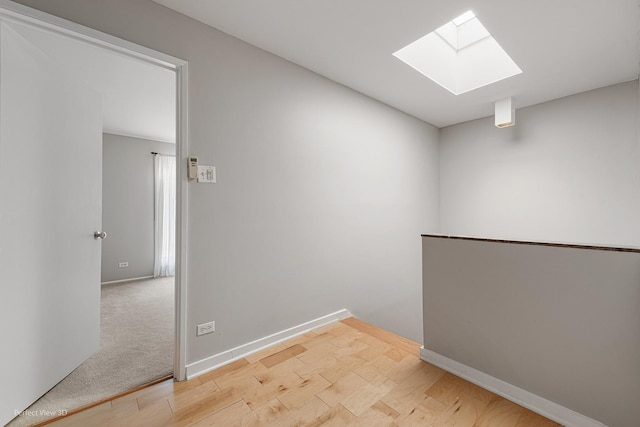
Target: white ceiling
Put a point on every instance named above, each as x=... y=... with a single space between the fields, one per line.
x=563 y=46
x=138 y=99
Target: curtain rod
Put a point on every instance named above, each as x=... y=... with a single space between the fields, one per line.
x=161 y=154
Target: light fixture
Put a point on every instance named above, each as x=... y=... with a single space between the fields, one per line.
x=460 y=56
x=505 y=113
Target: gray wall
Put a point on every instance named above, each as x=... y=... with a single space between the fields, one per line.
x=568 y=171
x=561 y=323
x=127 y=205
x=321 y=196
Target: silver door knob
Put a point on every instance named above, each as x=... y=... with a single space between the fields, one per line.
x=99 y=235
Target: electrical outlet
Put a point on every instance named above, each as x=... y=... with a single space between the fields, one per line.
x=206 y=328
x=123 y=264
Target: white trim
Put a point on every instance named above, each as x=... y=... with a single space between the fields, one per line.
x=213 y=362
x=15 y=12
x=133 y=279
x=12 y=11
x=144 y=138
x=540 y=405
x=182 y=197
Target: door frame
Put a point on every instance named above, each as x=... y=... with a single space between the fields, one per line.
x=15 y=12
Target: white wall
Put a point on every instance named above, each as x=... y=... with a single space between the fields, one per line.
x=127 y=205
x=559 y=322
x=322 y=192
x=567 y=171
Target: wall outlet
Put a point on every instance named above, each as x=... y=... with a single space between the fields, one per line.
x=205 y=328
x=123 y=264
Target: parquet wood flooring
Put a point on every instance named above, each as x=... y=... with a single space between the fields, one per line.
x=349 y=373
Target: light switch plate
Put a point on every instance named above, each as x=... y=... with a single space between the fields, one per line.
x=207 y=174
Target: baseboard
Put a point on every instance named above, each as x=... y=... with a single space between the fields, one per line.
x=213 y=362
x=127 y=280
x=542 y=406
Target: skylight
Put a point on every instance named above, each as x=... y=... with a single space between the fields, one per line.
x=463 y=18
x=460 y=56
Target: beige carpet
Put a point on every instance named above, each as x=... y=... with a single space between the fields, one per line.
x=136 y=347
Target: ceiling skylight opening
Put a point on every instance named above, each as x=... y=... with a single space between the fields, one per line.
x=460 y=56
x=464 y=18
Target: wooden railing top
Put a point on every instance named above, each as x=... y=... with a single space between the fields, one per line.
x=540 y=243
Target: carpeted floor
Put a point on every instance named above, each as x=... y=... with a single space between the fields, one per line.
x=136 y=347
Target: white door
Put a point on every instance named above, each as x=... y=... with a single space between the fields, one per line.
x=50 y=206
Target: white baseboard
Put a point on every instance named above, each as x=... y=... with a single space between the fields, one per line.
x=213 y=362
x=134 y=279
x=544 y=407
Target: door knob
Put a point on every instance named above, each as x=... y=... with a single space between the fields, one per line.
x=99 y=235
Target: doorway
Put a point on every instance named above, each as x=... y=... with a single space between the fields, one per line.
x=17 y=398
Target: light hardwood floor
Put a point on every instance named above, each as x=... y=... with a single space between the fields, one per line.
x=348 y=373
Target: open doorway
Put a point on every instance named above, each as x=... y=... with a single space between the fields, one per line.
x=59 y=49
x=138 y=263
x=138 y=217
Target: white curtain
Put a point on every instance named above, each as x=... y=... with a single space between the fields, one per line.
x=164 y=168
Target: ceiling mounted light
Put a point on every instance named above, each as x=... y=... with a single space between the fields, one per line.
x=505 y=113
x=460 y=56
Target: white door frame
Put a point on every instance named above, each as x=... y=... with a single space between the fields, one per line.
x=15 y=12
